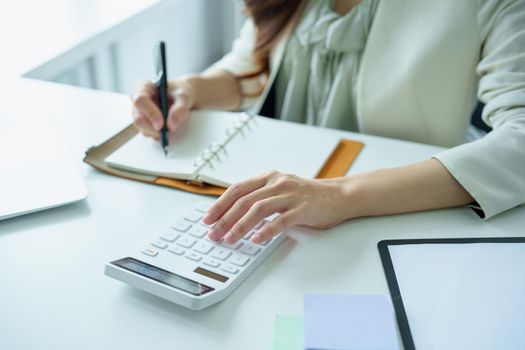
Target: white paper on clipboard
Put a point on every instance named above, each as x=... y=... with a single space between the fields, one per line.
x=463 y=296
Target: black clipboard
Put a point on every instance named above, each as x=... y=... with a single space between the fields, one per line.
x=393 y=286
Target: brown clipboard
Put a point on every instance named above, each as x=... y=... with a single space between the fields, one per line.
x=335 y=166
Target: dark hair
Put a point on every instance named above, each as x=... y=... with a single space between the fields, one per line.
x=270 y=18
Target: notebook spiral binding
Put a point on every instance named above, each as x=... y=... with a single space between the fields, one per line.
x=214 y=151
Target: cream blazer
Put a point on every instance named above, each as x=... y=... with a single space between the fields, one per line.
x=425 y=64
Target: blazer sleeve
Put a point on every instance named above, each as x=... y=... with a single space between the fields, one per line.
x=492 y=169
x=240 y=59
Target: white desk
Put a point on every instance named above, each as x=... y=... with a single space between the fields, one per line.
x=53 y=292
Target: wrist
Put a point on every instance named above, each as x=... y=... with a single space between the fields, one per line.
x=212 y=89
x=354 y=194
x=188 y=85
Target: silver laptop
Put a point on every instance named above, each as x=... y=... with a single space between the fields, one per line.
x=36 y=171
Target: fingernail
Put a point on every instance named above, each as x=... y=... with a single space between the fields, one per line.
x=229 y=238
x=217 y=230
x=257 y=238
x=213 y=235
x=157 y=124
x=206 y=218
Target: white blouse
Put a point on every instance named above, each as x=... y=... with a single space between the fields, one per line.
x=317 y=79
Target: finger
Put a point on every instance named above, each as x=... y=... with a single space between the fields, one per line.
x=142 y=123
x=257 y=212
x=179 y=111
x=155 y=135
x=237 y=211
x=144 y=104
x=232 y=194
x=146 y=87
x=279 y=224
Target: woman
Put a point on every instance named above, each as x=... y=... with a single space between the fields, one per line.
x=395 y=68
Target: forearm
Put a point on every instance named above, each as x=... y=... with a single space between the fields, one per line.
x=421 y=186
x=213 y=89
x=327 y=202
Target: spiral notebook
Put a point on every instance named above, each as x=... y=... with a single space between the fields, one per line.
x=222 y=148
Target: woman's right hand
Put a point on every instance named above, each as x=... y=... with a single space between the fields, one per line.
x=147 y=116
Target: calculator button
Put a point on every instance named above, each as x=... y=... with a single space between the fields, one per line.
x=239 y=260
x=202 y=207
x=198 y=231
x=265 y=243
x=193 y=216
x=186 y=242
x=159 y=244
x=211 y=262
x=232 y=246
x=150 y=251
x=230 y=269
x=203 y=247
x=194 y=256
x=176 y=250
x=249 y=249
x=259 y=225
x=249 y=235
x=181 y=225
x=170 y=236
x=206 y=226
x=221 y=253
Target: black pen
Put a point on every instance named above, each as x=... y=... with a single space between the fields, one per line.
x=161 y=83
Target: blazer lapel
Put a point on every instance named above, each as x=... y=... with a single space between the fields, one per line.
x=417 y=77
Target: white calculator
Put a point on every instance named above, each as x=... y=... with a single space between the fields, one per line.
x=182 y=265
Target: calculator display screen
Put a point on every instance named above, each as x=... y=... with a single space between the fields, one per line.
x=165 y=277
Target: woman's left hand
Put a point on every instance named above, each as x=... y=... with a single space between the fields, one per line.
x=314 y=203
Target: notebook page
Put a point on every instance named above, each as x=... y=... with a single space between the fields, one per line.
x=145 y=155
x=269 y=144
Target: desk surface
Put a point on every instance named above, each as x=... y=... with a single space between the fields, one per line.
x=54 y=294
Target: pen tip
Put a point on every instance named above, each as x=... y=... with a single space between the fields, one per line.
x=165 y=152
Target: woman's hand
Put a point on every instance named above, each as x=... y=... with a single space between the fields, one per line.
x=325 y=203
x=147 y=116
x=213 y=89
x=314 y=203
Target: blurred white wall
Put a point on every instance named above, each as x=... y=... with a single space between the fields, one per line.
x=196 y=32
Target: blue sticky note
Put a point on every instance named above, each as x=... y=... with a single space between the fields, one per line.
x=347 y=322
